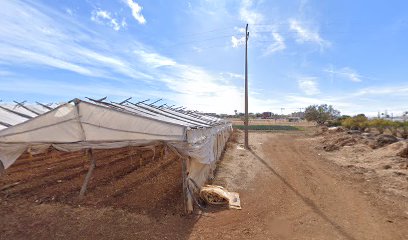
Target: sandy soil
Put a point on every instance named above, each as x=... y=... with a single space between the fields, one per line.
x=288 y=189
x=299 y=194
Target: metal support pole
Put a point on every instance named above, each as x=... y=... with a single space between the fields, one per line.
x=246 y=88
x=186 y=202
x=89 y=174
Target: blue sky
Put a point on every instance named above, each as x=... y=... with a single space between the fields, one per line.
x=351 y=54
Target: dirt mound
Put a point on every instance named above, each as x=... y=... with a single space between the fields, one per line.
x=390 y=150
x=336 y=140
x=331 y=147
x=403 y=153
x=383 y=140
x=379 y=158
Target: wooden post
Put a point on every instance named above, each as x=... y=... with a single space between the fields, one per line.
x=140 y=158
x=187 y=201
x=89 y=174
x=246 y=144
x=2 y=170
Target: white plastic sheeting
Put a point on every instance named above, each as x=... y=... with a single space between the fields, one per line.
x=12 y=114
x=73 y=126
x=10 y=118
x=22 y=109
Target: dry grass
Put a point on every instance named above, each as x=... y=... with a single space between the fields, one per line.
x=235 y=135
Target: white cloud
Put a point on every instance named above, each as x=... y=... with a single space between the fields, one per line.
x=345 y=73
x=260 y=30
x=240 y=29
x=136 y=11
x=40 y=39
x=294 y=101
x=236 y=42
x=197 y=49
x=69 y=11
x=64 y=91
x=307 y=35
x=233 y=75
x=103 y=14
x=41 y=59
x=5 y=73
x=278 y=45
x=249 y=15
x=193 y=86
x=45 y=38
x=308 y=85
x=153 y=59
x=123 y=23
x=387 y=91
x=105 y=17
x=366 y=100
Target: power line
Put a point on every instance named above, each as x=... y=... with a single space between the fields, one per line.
x=205 y=32
x=202 y=40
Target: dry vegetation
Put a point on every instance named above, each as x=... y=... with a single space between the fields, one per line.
x=378 y=157
x=360 y=122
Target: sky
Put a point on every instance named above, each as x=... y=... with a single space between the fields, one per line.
x=350 y=54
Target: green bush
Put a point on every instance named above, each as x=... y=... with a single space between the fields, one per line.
x=321 y=113
x=393 y=127
x=334 y=123
x=379 y=124
x=348 y=123
x=359 y=121
x=403 y=126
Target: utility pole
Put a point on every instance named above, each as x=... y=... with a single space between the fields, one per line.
x=246 y=87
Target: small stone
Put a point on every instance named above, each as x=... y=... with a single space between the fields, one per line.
x=387 y=166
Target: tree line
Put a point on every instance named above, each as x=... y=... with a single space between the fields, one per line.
x=326 y=115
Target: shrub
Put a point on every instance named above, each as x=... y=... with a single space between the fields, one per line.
x=334 y=123
x=393 y=127
x=403 y=126
x=348 y=123
x=321 y=113
x=379 y=124
x=359 y=121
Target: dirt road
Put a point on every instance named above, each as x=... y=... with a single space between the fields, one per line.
x=288 y=191
x=297 y=194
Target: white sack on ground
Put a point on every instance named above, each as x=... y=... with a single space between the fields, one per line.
x=218 y=195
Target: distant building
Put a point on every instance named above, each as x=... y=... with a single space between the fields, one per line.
x=266 y=115
x=211 y=114
x=293 y=119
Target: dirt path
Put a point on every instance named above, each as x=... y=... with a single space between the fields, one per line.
x=288 y=191
x=299 y=195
